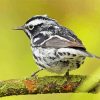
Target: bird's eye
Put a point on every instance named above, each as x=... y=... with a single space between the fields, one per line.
x=30 y=27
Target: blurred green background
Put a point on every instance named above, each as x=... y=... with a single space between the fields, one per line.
x=81 y=16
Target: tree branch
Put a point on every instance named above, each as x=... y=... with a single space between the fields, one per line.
x=41 y=85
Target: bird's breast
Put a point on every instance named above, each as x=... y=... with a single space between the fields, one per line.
x=57 y=60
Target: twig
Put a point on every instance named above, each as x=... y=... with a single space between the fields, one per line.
x=42 y=85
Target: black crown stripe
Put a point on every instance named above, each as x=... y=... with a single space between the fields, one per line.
x=38 y=17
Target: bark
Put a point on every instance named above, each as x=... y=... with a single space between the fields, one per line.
x=42 y=85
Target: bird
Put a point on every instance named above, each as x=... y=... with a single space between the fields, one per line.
x=55 y=48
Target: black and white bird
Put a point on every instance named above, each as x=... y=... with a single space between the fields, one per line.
x=54 y=47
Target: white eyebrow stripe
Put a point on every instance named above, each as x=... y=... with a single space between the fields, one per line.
x=36 y=22
x=39 y=21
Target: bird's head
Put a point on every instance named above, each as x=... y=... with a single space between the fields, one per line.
x=35 y=22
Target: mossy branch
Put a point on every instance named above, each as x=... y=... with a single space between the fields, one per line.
x=41 y=85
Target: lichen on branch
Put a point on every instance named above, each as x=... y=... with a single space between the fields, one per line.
x=41 y=85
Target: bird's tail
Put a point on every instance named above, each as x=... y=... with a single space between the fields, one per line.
x=92 y=55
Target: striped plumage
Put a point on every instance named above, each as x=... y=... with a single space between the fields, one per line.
x=55 y=48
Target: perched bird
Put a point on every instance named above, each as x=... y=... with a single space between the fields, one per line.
x=54 y=47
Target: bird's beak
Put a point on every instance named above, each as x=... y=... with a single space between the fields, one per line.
x=20 y=28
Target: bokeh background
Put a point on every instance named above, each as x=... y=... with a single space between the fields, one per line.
x=81 y=16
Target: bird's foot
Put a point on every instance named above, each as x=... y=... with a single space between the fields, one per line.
x=67 y=75
x=34 y=75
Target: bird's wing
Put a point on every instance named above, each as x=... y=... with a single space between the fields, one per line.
x=68 y=40
x=57 y=41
